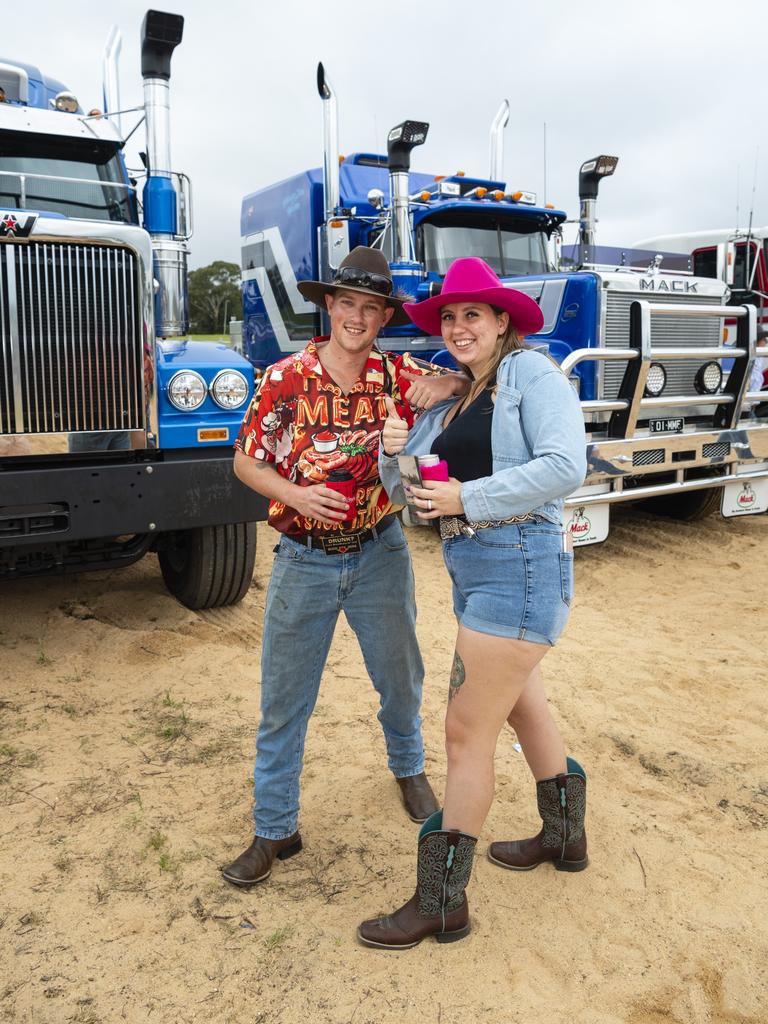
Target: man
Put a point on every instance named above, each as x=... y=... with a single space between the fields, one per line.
x=317 y=414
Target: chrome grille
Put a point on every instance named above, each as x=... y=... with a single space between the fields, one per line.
x=677 y=331
x=651 y=457
x=7 y=409
x=71 y=339
x=716 y=450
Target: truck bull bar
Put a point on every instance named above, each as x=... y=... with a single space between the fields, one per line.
x=619 y=454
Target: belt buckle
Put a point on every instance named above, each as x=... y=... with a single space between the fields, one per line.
x=341 y=545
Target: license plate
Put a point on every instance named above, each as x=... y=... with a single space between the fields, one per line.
x=667 y=426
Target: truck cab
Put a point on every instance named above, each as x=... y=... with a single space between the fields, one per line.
x=115 y=428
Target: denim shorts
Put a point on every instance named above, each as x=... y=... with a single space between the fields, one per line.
x=513 y=580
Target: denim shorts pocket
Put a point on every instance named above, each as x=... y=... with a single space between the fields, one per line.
x=499 y=537
x=566 y=576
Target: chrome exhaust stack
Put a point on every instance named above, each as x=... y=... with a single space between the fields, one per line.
x=590 y=174
x=498 y=125
x=111 y=77
x=160 y=35
x=400 y=141
x=331 y=187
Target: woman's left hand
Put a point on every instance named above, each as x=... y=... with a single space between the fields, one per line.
x=438 y=498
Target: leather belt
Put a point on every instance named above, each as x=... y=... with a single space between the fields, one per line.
x=342 y=543
x=456 y=526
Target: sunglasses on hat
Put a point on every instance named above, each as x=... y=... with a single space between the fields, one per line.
x=362 y=279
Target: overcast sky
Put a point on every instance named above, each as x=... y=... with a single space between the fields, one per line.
x=674 y=89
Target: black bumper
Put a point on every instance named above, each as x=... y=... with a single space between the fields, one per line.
x=59 y=502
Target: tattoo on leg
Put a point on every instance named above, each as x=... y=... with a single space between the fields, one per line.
x=458 y=675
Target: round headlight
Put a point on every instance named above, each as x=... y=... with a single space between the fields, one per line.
x=229 y=389
x=656 y=380
x=187 y=390
x=709 y=378
x=67 y=102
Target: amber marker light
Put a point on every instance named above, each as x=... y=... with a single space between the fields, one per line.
x=459 y=174
x=439 y=177
x=516 y=197
x=497 y=194
x=481 y=192
x=213 y=434
x=425 y=197
x=342 y=158
x=549 y=206
x=336 y=224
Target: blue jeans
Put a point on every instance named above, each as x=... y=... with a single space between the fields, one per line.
x=307 y=590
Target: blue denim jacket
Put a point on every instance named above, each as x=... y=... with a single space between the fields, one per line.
x=537 y=439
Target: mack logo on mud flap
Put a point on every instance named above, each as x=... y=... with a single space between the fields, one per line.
x=654 y=284
x=579 y=526
x=12 y=227
x=747 y=498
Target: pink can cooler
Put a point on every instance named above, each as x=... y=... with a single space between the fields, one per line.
x=344 y=483
x=432 y=467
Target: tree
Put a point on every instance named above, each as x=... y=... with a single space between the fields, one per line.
x=214 y=297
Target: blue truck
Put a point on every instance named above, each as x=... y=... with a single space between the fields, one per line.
x=669 y=415
x=115 y=430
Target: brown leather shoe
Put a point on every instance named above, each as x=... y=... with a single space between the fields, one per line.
x=418 y=799
x=255 y=864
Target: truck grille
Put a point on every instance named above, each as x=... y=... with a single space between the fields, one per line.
x=71 y=352
x=671 y=331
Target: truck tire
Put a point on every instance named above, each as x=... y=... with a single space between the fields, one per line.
x=686 y=507
x=210 y=566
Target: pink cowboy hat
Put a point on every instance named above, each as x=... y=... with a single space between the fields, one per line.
x=471 y=280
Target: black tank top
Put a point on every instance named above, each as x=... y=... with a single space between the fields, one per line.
x=465 y=443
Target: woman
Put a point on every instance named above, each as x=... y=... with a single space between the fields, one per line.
x=515 y=446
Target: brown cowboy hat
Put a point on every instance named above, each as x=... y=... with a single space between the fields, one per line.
x=363 y=270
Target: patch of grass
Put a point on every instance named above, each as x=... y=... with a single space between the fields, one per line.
x=42 y=658
x=169 y=702
x=156 y=840
x=63 y=863
x=70 y=709
x=278 y=938
x=167 y=863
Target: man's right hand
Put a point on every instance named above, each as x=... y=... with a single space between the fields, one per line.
x=394 y=434
x=320 y=502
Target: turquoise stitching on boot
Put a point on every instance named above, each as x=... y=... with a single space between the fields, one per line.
x=562 y=796
x=451 y=852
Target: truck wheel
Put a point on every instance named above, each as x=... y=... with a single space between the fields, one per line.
x=686 y=507
x=210 y=566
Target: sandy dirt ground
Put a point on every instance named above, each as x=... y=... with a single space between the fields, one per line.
x=125 y=764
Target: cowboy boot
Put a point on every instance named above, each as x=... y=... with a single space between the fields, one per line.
x=255 y=864
x=562 y=803
x=439 y=906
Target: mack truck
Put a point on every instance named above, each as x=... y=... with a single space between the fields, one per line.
x=115 y=429
x=738 y=257
x=669 y=415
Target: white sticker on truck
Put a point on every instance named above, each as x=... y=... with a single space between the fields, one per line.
x=745 y=499
x=588 y=524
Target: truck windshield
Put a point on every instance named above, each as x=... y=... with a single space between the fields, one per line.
x=511 y=248
x=76 y=177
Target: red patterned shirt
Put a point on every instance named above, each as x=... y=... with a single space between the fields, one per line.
x=302 y=423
